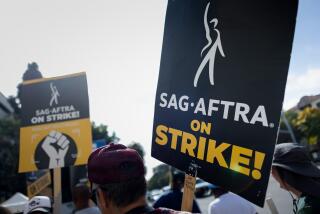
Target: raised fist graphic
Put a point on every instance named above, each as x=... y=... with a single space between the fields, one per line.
x=56 y=146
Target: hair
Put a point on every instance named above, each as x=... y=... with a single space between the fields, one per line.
x=177 y=181
x=306 y=185
x=125 y=193
x=81 y=192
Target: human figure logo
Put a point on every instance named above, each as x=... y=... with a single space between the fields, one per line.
x=211 y=53
x=54 y=94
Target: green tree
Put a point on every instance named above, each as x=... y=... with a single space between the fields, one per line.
x=9 y=129
x=160 y=177
x=13 y=101
x=290 y=115
x=308 y=123
x=101 y=132
x=284 y=135
x=10 y=180
x=31 y=73
x=138 y=147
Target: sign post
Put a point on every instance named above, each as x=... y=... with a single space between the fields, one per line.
x=57 y=195
x=223 y=72
x=189 y=188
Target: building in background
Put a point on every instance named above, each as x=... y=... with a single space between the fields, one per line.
x=5 y=107
x=312 y=101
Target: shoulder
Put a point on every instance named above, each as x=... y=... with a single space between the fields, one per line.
x=213 y=206
x=230 y=201
x=214 y=202
x=167 y=195
x=232 y=196
x=95 y=210
x=162 y=199
x=240 y=200
x=90 y=210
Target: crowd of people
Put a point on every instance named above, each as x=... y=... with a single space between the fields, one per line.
x=118 y=186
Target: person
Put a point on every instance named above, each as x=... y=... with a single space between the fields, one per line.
x=173 y=198
x=295 y=172
x=227 y=202
x=81 y=199
x=38 y=205
x=117 y=174
x=4 y=210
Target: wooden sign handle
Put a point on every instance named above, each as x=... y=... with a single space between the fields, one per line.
x=57 y=195
x=189 y=188
x=188 y=193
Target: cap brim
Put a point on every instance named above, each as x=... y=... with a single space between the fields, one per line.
x=40 y=209
x=306 y=169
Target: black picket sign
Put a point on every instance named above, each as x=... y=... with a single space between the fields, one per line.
x=221 y=85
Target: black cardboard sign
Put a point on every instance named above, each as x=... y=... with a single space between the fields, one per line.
x=56 y=128
x=221 y=85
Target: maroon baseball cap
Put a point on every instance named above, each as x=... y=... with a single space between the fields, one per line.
x=114 y=163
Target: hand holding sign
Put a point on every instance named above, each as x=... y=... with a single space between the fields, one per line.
x=56 y=146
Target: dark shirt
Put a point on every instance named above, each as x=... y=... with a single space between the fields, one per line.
x=173 y=200
x=308 y=205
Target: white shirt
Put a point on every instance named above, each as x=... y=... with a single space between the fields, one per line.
x=230 y=203
x=89 y=210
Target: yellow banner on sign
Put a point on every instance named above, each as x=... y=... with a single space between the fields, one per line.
x=55 y=145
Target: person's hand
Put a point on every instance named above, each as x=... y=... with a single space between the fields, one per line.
x=56 y=146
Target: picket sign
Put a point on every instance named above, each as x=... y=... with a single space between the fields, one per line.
x=217 y=101
x=56 y=128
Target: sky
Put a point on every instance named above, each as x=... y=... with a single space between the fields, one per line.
x=118 y=44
